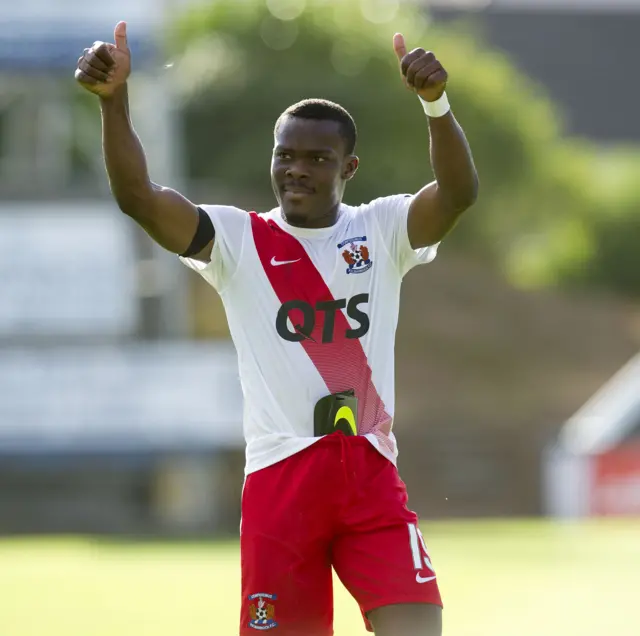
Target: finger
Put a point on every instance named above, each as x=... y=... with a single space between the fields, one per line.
x=120 y=36
x=101 y=50
x=399 y=46
x=421 y=76
x=95 y=61
x=410 y=58
x=417 y=65
x=439 y=77
x=91 y=71
x=83 y=78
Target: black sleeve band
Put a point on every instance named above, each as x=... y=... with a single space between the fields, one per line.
x=204 y=234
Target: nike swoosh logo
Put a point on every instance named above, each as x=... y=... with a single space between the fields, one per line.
x=275 y=263
x=424 y=579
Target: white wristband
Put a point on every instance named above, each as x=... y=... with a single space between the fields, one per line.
x=439 y=108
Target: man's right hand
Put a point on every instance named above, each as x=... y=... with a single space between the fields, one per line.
x=105 y=67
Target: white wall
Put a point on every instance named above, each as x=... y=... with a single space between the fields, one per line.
x=560 y=5
x=68 y=13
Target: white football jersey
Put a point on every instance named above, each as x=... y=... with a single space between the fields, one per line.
x=312 y=312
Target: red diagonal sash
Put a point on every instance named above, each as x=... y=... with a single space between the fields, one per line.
x=341 y=363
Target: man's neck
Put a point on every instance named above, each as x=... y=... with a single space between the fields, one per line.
x=314 y=222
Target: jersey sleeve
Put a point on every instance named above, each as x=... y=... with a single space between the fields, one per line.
x=390 y=214
x=230 y=225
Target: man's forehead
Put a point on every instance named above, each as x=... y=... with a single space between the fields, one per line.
x=296 y=132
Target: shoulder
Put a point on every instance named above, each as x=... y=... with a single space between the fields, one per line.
x=270 y=214
x=227 y=220
x=385 y=205
x=388 y=213
x=214 y=210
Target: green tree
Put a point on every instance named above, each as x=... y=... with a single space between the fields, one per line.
x=549 y=210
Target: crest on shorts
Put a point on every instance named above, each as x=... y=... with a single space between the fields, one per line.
x=261 y=612
x=356 y=254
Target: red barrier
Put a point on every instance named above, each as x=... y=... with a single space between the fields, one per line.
x=616 y=482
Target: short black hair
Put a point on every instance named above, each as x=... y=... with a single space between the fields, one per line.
x=323 y=109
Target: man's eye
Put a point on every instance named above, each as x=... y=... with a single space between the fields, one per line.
x=283 y=155
x=320 y=159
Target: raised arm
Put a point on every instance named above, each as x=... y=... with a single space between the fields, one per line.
x=436 y=207
x=168 y=217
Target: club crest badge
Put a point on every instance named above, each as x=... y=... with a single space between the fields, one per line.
x=356 y=254
x=261 y=612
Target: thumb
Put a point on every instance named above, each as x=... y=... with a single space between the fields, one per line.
x=120 y=36
x=399 y=46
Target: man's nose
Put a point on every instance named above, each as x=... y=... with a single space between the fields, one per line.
x=297 y=171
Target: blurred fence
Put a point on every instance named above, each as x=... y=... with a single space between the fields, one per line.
x=67 y=271
x=99 y=430
x=132 y=438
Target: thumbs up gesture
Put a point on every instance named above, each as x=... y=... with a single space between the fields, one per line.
x=105 y=67
x=421 y=71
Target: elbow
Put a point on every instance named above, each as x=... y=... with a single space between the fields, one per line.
x=466 y=196
x=472 y=195
x=134 y=202
x=134 y=209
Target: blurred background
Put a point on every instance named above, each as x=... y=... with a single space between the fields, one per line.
x=518 y=385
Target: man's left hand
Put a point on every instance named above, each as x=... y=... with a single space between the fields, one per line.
x=421 y=71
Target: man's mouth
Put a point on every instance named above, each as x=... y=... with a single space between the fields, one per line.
x=295 y=188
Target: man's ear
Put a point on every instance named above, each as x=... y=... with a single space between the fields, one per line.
x=350 y=167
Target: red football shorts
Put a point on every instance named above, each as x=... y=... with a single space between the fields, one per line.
x=337 y=503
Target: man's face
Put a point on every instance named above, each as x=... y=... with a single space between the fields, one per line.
x=309 y=169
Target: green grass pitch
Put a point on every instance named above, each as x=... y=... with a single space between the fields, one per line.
x=512 y=578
